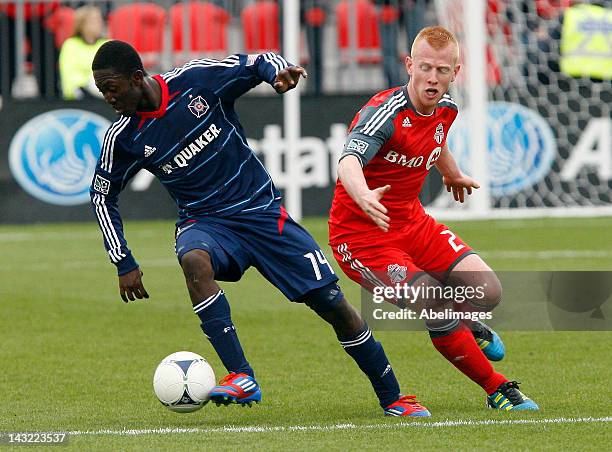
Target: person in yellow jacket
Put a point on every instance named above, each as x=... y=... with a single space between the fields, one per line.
x=586 y=41
x=78 y=52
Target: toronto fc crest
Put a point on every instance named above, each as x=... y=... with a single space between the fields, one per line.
x=439 y=135
x=198 y=106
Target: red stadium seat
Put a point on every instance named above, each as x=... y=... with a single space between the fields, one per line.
x=261 y=27
x=142 y=25
x=389 y=14
x=315 y=16
x=61 y=23
x=208 y=29
x=367 y=40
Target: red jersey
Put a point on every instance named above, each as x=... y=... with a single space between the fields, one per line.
x=396 y=146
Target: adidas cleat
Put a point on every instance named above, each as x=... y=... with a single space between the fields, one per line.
x=509 y=398
x=236 y=388
x=489 y=341
x=407 y=406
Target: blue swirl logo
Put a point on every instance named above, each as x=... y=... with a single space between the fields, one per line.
x=521 y=147
x=53 y=156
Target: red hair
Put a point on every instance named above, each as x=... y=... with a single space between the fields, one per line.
x=438 y=38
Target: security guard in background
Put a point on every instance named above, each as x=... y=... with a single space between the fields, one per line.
x=586 y=42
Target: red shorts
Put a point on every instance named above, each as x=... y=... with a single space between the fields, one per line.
x=401 y=254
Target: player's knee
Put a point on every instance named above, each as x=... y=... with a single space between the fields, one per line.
x=329 y=303
x=491 y=290
x=324 y=299
x=197 y=267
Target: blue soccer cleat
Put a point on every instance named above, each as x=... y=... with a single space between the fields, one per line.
x=509 y=398
x=236 y=388
x=407 y=406
x=489 y=341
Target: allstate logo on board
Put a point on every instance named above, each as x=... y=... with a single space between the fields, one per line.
x=53 y=156
x=521 y=147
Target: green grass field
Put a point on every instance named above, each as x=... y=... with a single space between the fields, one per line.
x=76 y=358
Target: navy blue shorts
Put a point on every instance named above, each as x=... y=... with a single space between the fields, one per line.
x=271 y=241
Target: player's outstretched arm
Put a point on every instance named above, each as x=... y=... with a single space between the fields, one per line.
x=288 y=78
x=131 y=287
x=351 y=175
x=453 y=178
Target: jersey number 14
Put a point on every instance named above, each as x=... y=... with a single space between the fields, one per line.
x=315 y=261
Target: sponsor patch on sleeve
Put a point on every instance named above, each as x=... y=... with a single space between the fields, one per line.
x=102 y=185
x=357 y=146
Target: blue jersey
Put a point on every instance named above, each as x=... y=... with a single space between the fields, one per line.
x=193 y=144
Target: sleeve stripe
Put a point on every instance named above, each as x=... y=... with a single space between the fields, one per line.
x=447 y=98
x=98 y=201
x=283 y=61
x=269 y=57
x=230 y=61
x=390 y=114
x=107 y=137
x=383 y=114
x=106 y=159
x=106 y=226
x=382 y=111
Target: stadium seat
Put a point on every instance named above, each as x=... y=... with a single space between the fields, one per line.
x=142 y=25
x=60 y=22
x=315 y=16
x=208 y=34
x=261 y=27
x=367 y=39
x=549 y=9
x=389 y=14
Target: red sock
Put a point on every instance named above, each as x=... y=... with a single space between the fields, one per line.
x=462 y=351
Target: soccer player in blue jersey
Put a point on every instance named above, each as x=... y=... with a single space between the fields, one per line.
x=181 y=126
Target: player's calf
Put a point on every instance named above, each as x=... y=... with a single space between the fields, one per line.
x=359 y=343
x=213 y=310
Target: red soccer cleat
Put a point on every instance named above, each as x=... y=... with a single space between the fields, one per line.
x=236 y=388
x=407 y=406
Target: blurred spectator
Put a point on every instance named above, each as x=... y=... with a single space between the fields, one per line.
x=41 y=53
x=262 y=26
x=388 y=20
x=415 y=17
x=541 y=38
x=78 y=52
x=586 y=39
x=391 y=14
x=313 y=16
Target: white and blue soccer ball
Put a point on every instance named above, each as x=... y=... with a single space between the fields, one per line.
x=183 y=381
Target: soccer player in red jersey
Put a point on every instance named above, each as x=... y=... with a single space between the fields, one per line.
x=393 y=142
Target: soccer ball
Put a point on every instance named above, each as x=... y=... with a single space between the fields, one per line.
x=183 y=381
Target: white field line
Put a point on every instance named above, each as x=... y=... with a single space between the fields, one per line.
x=93 y=234
x=92 y=263
x=172 y=262
x=545 y=254
x=336 y=427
